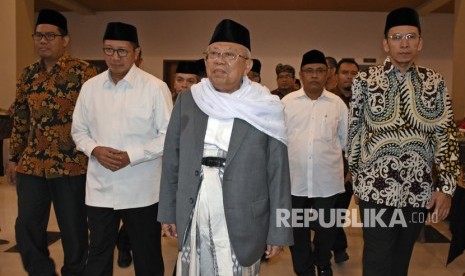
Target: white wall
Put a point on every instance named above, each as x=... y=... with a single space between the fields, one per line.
x=275 y=36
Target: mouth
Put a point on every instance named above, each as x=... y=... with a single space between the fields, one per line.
x=219 y=71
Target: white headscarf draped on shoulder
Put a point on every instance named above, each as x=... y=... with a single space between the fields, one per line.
x=252 y=103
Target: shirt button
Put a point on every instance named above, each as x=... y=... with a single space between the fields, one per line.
x=196 y=173
x=191 y=200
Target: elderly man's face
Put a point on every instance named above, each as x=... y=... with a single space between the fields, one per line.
x=123 y=55
x=50 y=49
x=226 y=64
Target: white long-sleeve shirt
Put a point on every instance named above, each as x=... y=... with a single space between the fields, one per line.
x=317 y=133
x=130 y=116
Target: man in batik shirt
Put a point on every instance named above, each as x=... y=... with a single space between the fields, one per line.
x=401 y=123
x=44 y=161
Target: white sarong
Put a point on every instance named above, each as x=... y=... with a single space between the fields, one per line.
x=206 y=249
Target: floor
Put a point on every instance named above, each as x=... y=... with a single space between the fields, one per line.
x=428 y=258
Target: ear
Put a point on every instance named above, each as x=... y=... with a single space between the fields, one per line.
x=386 y=45
x=65 y=41
x=248 y=66
x=420 y=44
x=136 y=52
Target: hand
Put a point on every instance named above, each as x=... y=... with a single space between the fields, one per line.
x=273 y=250
x=124 y=159
x=170 y=230
x=108 y=157
x=11 y=173
x=441 y=203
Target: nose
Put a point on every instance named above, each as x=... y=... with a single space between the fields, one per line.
x=115 y=56
x=404 y=43
x=43 y=40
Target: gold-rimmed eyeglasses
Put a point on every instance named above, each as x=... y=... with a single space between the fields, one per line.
x=227 y=55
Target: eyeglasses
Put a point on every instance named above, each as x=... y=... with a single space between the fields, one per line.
x=227 y=56
x=48 y=36
x=318 y=71
x=110 y=52
x=399 y=37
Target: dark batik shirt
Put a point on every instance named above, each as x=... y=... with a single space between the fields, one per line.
x=399 y=126
x=41 y=140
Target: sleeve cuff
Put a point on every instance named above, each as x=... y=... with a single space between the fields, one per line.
x=89 y=149
x=136 y=155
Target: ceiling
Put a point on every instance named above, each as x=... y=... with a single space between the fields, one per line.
x=93 y=6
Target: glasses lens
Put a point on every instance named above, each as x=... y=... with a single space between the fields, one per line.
x=122 y=52
x=108 y=51
x=50 y=36
x=230 y=56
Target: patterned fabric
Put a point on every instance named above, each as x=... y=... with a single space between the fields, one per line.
x=400 y=125
x=41 y=140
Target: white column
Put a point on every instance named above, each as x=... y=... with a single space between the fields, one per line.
x=16 y=49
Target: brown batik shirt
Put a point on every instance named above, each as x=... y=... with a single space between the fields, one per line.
x=41 y=142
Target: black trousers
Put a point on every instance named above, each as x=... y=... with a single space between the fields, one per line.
x=35 y=195
x=123 y=239
x=144 y=231
x=342 y=202
x=303 y=259
x=387 y=250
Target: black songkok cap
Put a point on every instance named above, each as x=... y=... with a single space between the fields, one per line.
x=257 y=66
x=201 y=70
x=313 y=56
x=187 y=67
x=402 y=17
x=53 y=17
x=231 y=31
x=121 y=31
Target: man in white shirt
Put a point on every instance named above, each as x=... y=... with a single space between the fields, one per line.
x=317 y=130
x=120 y=122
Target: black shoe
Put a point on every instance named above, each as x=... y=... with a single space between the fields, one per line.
x=324 y=271
x=309 y=273
x=124 y=258
x=340 y=256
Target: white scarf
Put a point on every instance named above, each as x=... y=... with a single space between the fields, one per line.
x=252 y=103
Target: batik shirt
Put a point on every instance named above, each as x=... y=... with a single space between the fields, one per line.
x=41 y=142
x=399 y=126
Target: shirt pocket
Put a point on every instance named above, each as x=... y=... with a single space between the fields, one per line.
x=328 y=127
